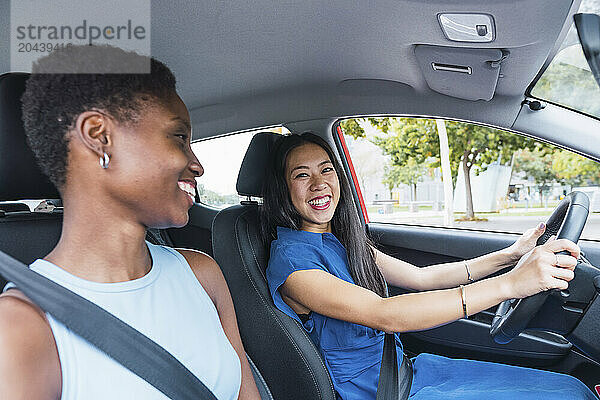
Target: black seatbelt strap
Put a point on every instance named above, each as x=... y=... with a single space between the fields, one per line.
x=387 y=388
x=118 y=340
x=393 y=384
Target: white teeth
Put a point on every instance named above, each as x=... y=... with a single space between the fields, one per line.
x=187 y=187
x=320 y=202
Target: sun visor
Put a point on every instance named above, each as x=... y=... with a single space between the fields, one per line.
x=466 y=73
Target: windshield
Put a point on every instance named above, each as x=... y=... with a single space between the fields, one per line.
x=568 y=80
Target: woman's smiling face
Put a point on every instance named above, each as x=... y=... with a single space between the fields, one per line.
x=313 y=186
x=151 y=175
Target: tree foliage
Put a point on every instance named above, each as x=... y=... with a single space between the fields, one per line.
x=573 y=169
x=417 y=138
x=570 y=86
x=409 y=174
x=413 y=146
x=546 y=165
x=470 y=145
x=537 y=165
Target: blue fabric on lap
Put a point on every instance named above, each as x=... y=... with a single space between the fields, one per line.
x=437 y=377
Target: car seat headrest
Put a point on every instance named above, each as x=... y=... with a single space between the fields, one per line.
x=20 y=177
x=254 y=166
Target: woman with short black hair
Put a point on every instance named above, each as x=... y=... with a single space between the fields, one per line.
x=117 y=147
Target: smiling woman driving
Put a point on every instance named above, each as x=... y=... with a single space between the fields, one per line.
x=324 y=272
x=117 y=146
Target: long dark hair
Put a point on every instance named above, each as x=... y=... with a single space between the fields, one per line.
x=278 y=210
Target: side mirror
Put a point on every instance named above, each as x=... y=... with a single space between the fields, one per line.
x=588 y=29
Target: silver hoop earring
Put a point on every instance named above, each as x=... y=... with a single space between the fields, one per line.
x=104 y=160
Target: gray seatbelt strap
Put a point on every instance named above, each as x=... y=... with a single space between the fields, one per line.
x=387 y=388
x=393 y=384
x=118 y=340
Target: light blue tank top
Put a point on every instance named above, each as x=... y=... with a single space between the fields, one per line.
x=169 y=306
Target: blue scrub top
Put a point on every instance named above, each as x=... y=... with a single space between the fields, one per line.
x=352 y=353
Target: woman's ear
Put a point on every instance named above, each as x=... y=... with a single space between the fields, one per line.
x=93 y=128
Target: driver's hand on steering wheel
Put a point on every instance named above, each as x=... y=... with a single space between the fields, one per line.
x=543 y=268
x=526 y=242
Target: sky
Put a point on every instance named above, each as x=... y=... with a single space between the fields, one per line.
x=221 y=176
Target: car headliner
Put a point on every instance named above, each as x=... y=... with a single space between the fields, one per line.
x=248 y=64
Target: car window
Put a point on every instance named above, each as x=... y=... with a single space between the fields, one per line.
x=568 y=80
x=221 y=158
x=32 y=204
x=513 y=182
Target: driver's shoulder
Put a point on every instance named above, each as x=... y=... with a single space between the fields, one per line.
x=27 y=349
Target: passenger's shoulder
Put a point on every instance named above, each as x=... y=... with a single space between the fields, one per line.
x=17 y=311
x=207 y=271
x=199 y=261
x=27 y=348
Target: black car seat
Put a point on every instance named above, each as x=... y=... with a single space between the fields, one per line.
x=27 y=235
x=284 y=353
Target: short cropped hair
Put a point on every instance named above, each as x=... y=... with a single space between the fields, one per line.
x=53 y=101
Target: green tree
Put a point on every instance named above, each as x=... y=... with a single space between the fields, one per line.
x=571 y=86
x=409 y=174
x=574 y=169
x=470 y=145
x=536 y=164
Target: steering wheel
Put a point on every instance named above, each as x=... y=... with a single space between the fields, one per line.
x=567 y=221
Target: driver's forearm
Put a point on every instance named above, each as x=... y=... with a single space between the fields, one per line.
x=441 y=276
x=425 y=310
